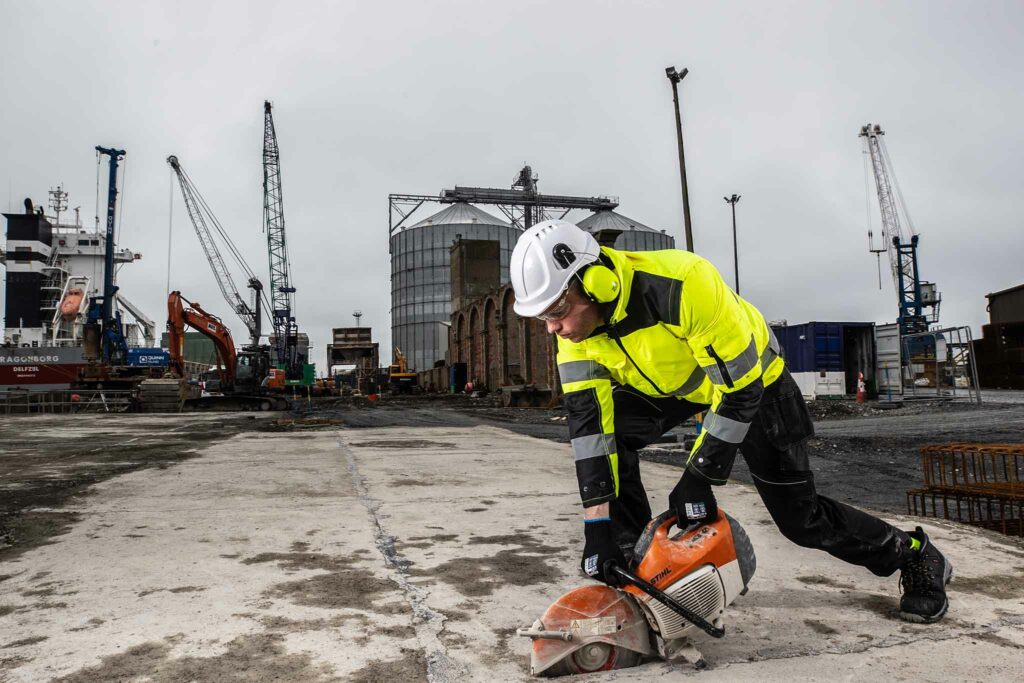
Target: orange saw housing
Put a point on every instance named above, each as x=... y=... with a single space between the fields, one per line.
x=597 y=628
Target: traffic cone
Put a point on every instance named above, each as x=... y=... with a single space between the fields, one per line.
x=860 y=387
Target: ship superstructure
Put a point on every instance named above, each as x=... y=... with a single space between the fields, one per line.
x=53 y=269
x=54 y=266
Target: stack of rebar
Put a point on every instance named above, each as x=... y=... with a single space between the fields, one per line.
x=978 y=484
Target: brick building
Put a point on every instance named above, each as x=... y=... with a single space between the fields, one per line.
x=500 y=348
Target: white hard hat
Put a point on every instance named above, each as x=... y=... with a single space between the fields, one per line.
x=544 y=261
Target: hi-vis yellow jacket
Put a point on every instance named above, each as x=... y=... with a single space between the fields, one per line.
x=676 y=330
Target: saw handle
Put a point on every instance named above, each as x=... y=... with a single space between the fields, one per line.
x=658 y=527
x=611 y=568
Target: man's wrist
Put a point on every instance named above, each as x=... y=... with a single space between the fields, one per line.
x=596 y=512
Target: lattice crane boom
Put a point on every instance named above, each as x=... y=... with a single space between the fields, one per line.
x=202 y=218
x=281 y=290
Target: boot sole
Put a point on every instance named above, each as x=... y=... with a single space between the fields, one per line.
x=931 y=619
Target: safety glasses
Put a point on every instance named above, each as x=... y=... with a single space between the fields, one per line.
x=557 y=310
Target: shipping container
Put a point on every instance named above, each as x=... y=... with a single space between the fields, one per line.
x=888 y=355
x=826 y=358
x=148 y=357
x=1006 y=306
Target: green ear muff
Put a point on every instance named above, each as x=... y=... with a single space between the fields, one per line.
x=600 y=283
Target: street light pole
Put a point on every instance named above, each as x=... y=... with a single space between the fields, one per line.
x=735 y=250
x=674 y=77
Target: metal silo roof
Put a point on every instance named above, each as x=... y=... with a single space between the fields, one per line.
x=607 y=219
x=461 y=213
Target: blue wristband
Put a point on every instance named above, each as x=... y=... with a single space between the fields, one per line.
x=597 y=519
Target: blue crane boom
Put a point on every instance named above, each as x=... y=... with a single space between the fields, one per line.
x=101 y=309
x=900 y=240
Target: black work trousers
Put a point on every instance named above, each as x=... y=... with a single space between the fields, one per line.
x=775 y=449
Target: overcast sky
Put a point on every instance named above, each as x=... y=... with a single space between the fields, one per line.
x=373 y=98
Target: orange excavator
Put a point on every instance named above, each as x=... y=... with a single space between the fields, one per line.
x=245 y=379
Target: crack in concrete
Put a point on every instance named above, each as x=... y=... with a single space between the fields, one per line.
x=441 y=668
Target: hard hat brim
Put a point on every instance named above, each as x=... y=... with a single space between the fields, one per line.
x=535 y=308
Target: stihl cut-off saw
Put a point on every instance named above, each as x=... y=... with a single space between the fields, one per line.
x=675 y=584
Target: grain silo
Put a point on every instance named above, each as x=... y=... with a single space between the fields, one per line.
x=421 y=290
x=635 y=235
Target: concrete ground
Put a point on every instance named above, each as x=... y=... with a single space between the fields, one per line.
x=403 y=554
x=863 y=455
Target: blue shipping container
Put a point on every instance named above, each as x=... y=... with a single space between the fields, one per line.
x=820 y=346
x=148 y=357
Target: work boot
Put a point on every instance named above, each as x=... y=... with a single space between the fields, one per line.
x=923 y=582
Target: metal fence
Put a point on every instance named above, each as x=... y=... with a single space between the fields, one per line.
x=66 y=401
x=938 y=364
x=978 y=484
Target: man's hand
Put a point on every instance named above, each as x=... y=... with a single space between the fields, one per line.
x=693 y=500
x=600 y=547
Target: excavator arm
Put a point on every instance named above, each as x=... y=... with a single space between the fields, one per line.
x=178 y=316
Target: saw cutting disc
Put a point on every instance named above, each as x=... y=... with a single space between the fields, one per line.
x=608 y=632
x=594 y=657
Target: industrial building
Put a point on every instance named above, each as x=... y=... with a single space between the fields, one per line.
x=451 y=304
x=635 y=236
x=354 y=348
x=421 y=288
x=421 y=284
x=999 y=354
x=499 y=348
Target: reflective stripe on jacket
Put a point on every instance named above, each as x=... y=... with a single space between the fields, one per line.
x=676 y=330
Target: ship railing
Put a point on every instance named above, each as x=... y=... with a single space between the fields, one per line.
x=67 y=341
x=23 y=402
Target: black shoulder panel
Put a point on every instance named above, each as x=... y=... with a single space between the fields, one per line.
x=660 y=293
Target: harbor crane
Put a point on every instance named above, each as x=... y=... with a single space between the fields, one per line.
x=202 y=218
x=282 y=293
x=102 y=320
x=899 y=239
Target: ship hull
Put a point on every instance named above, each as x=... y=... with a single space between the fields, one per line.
x=40 y=368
